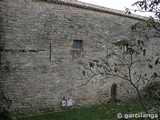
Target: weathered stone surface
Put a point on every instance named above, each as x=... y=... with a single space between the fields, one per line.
x=38 y=64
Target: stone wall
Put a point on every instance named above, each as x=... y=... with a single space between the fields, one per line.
x=39 y=65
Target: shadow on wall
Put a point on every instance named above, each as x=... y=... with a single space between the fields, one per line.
x=5 y=102
x=1 y=36
x=1 y=50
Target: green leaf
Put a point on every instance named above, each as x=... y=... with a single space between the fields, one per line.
x=157 y=33
x=110 y=55
x=140 y=42
x=132 y=51
x=135 y=26
x=84 y=73
x=150 y=22
x=121 y=42
x=154 y=76
x=143 y=81
x=91 y=64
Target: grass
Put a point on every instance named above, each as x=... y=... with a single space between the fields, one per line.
x=103 y=112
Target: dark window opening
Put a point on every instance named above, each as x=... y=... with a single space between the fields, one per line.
x=77 y=44
x=125 y=48
x=143 y=52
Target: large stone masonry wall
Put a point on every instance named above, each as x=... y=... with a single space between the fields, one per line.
x=38 y=64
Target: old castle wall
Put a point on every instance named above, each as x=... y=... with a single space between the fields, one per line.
x=38 y=63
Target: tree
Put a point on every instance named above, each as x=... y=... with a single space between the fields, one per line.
x=129 y=64
x=152 y=6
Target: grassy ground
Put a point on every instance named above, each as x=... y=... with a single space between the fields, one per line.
x=103 y=112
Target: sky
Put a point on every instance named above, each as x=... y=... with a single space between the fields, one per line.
x=116 y=4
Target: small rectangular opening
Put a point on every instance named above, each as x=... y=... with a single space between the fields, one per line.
x=77 y=44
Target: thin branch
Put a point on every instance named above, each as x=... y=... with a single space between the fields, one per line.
x=88 y=80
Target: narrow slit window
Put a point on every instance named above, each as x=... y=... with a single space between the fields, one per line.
x=50 y=52
x=77 y=44
x=143 y=52
x=125 y=48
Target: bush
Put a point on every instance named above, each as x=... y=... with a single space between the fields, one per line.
x=153 y=90
x=5 y=115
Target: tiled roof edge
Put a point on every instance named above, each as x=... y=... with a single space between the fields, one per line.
x=97 y=8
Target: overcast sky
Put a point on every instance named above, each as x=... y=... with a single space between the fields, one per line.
x=115 y=4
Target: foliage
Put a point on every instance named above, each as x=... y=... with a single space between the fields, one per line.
x=151 y=23
x=123 y=66
x=152 y=6
x=121 y=42
x=149 y=28
x=84 y=73
x=154 y=76
x=5 y=115
x=153 y=90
